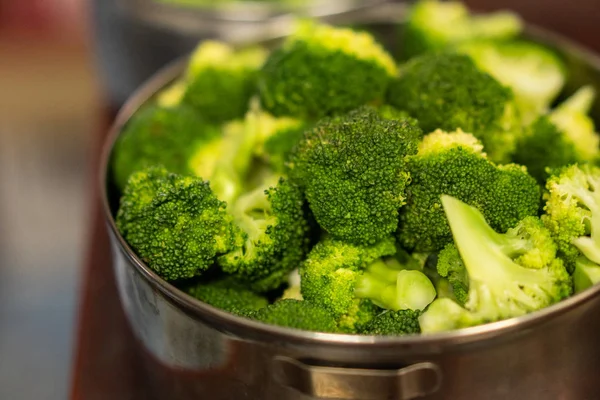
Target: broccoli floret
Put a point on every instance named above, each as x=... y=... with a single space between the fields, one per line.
x=572 y=212
x=394 y=323
x=220 y=80
x=323 y=70
x=174 y=223
x=451 y=266
x=358 y=316
x=297 y=314
x=434 y=25
x=500 y=286
x=354 y=172
x=534 y=73
x=454 y=164
x=586 y=274
x=564 y=136
x=447 y=91
x=277 y=138
x=173 y=137
x=229 y=295
x=272 y=219
x=172 y=95
x=337 y=275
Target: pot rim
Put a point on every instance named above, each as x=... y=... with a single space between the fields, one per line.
x=268 y=333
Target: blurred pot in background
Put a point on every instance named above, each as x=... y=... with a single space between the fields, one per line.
x=135 y=38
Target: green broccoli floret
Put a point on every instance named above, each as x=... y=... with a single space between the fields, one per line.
x=586 y=274
x=228 y=294
x=434 y=25
x=323 y=70
x=394 y=323
x=354 y=172
x=275 y=234
x=572 y=212
x=454 y=164
x=510 y=274
x=173 y=137
x=448 y=91
x=358 y=316
x=534 y=73
x=220 y=80
x=564 y=136
x=451 y=266
x=277 y=138
x=297 y=314
x=337 y=275
x=174 y=223
x=172 y=95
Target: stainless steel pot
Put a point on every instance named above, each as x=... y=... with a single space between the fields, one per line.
x=207 y=353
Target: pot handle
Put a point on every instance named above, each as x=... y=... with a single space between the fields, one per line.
x=319 y=382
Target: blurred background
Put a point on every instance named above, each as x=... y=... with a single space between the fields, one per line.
x=65 y=67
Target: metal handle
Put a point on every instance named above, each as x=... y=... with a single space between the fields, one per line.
x=407 y=383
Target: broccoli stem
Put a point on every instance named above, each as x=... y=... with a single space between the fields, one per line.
x=586 y=274
x=390 y=287
x=589 y=245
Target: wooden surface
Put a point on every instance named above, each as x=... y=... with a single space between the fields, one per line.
x=108 y=363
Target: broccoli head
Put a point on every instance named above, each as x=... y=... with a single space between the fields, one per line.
x=454 y=164
x=535 y=74
x=173 y=137
x=572 y=212
x=354 y=172
x=510 y=274
x=276 y=138
x=394 y=323
x=174 y=223
x=275 y=238
x=448 y=91
x=434 y=25
x=339 y=277
x=297 y=314
x=451 y=267
x=564 y=136
x=227 y=294
x=323 y=70
x=221 y=80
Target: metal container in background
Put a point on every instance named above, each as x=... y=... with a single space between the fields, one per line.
x=198 y=351
x=135 y=38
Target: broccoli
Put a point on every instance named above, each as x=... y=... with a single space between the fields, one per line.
x=510 y=274
x=293 y=289
x=454 y=164
x=323 y=71
x=173 y=137
x=451 y=266
x=276 y=138
x=448 y=91
x=298 y=314
x=388 y=284
x=336 y=275
x=354 y=173
x=394 y=323
x=174 y=223
x=220 y=80
x=172 y=95
x=586 y=274
x=572 y=212
x=275 y=234
x=434 y=25
x=534 y=73
x=360 y=313
x=564 y=136
x=229 y=295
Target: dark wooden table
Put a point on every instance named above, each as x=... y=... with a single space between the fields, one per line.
x=109 y=363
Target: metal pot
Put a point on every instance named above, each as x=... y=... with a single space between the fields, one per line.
x=203 y=352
